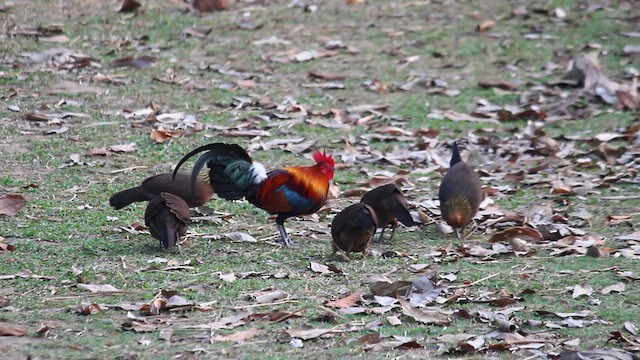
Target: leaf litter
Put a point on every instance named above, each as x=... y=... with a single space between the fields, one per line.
x=514 y=150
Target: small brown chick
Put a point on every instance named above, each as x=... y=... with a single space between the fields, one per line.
x=390 y=206
x=460 y=194
x=167 y=217
x=353 y=228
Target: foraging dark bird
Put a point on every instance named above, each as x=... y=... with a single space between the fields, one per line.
x=154 y=185
x=390 y=206
x=286 y=192
x=167 y=217
x=460 y=194
x=353 y=228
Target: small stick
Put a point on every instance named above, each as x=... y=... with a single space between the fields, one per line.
x=128 y=169
x=619 y=197
x=107 y=293
x=260 y=305
x=475 y=282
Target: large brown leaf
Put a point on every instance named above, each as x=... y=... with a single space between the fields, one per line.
x=10 y=330
x=346 y=301
x=424 y=315
x=11 y=204
x=237 y=337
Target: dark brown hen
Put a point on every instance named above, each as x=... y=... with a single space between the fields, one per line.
x=353 y=228
x=390 y=206
x=167 y=217
x=154 y=185
x=460 y=194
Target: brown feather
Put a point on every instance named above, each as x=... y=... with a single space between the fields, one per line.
x=353 y=228
x=167 y=217
x=390 y=205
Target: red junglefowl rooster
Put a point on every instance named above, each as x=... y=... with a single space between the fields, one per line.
x=390 y=205
x=178 y=184
x=167 y=217
x=460 y=194
x=353 y=228
x=287 y=192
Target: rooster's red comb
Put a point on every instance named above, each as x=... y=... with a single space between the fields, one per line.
x=322 y=157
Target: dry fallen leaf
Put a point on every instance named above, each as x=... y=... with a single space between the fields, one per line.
x=241 y=237
x=393 y=320
x=10 y=330
x=597 y=354
x=485 y=26
x=306 y=334
x=580 y=290
x=211 y=5
x=631 y=327
x=319 y=268
x=6 y=247
x=520 y=232
x=391 y=289
x=123 y=148
x=163 y=135
x=55 y=39
x=346 y=301
x=142 y=62
x=97 y=288
x=619 y=287
x=237 y=337
x=11 y=204
x=424 y=315
x=265 y=296
x=231 y=277
x=86 y=309
x=325 y=76
x=272 y=317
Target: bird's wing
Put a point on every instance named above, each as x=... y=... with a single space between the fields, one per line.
x=273 y=194
x=177 y=206
x=287 y=191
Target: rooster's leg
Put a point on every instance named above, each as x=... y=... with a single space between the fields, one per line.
x=286 y=240
x=381 y=237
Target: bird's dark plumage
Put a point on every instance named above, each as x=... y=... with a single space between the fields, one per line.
x=167 y=217
x=353 y=228
x=390 y=206
x=154 y=185
x=286 y=192
x=460 y=194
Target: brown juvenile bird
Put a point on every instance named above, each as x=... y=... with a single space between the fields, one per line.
x=460 y=194
x=154 y=185
x=390 y=205
x=353 y=228
x=167 y=217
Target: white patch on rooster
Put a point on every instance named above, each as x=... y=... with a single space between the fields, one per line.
x=258 y=172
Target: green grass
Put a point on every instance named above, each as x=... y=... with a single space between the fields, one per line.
x=67 y=223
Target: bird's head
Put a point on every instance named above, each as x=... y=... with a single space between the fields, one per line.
x=325 y=163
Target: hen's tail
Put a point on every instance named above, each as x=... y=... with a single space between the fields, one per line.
x=126 y=197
